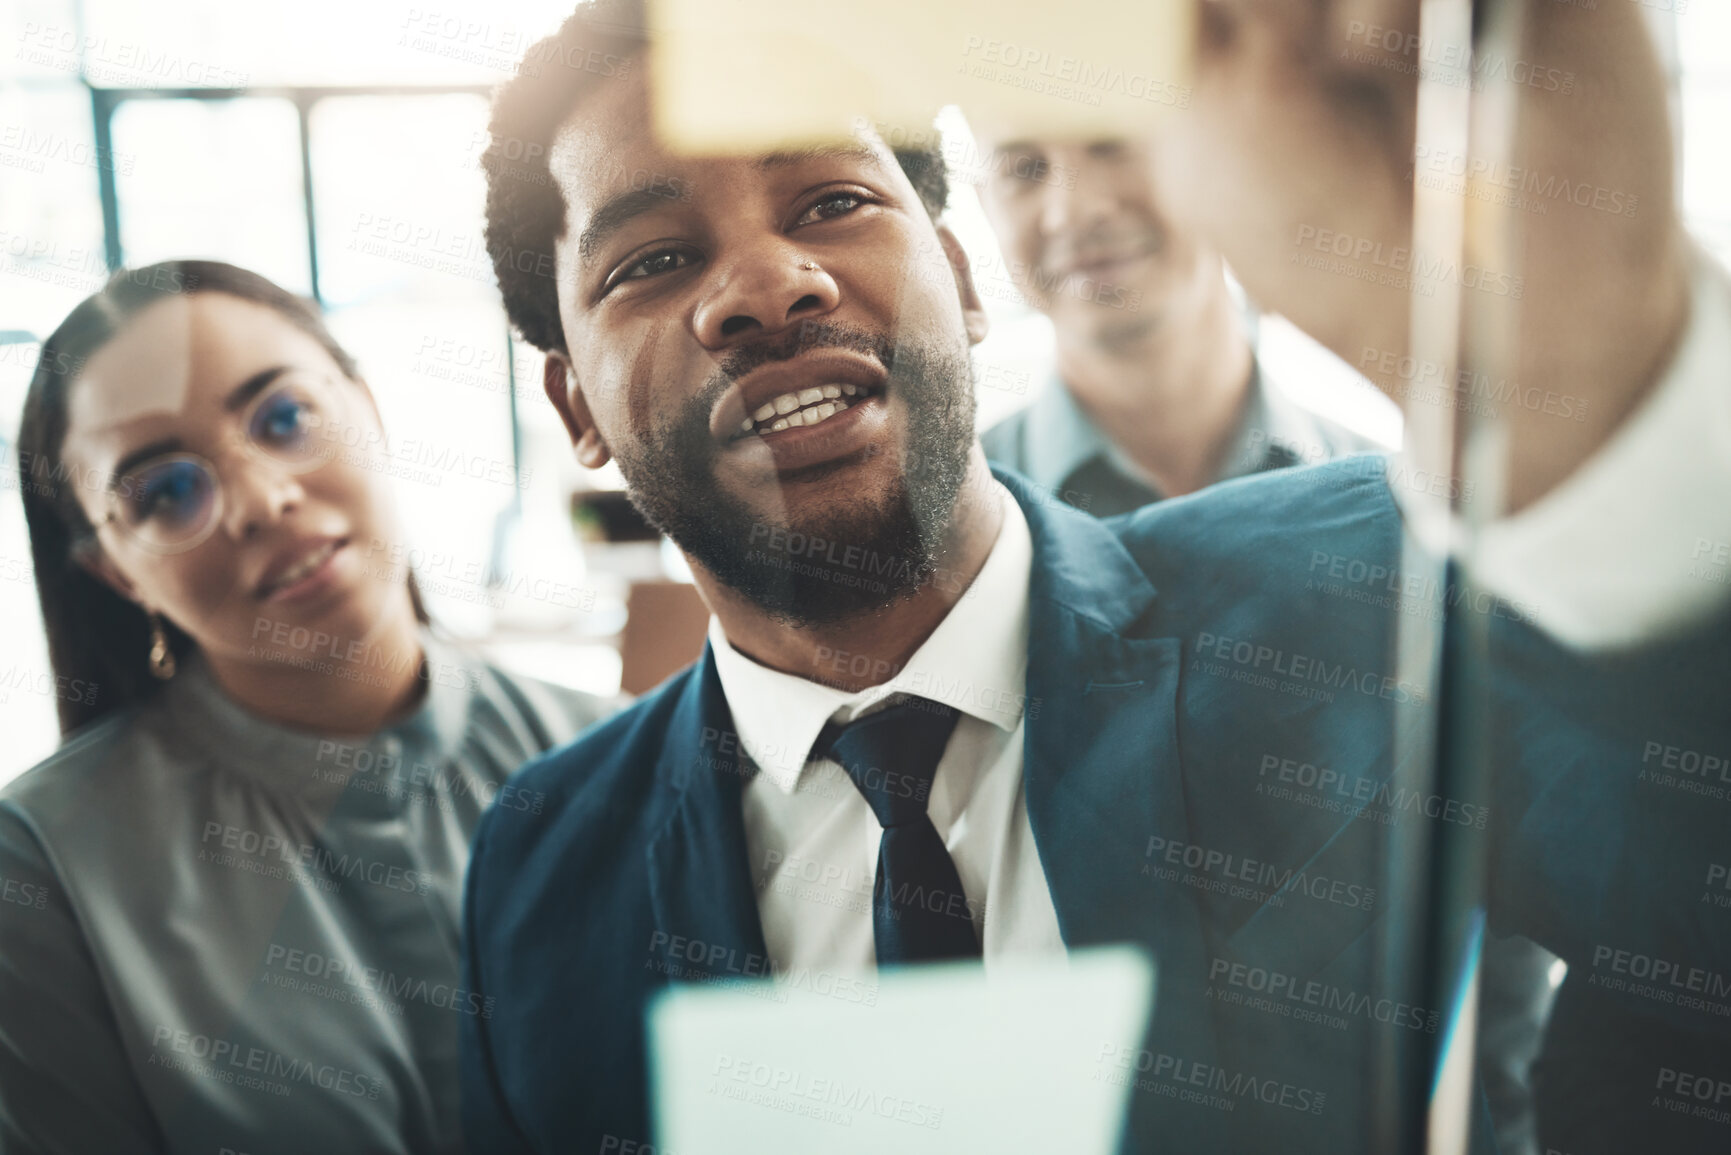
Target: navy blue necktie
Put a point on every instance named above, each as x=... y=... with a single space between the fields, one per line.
x=919 y=911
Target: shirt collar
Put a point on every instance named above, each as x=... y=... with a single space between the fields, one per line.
x=1272 y=431
x=1061 y=438
x=976 y=660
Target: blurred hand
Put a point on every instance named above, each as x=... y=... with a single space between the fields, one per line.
x=1297 y=161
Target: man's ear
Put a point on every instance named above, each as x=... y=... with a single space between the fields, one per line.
x=567 y=398
x=973 y=312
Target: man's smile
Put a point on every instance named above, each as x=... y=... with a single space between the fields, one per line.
x=808 y=406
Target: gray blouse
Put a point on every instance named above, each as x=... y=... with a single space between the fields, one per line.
x=219 y=934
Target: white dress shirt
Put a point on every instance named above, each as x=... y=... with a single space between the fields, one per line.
x=812 y=839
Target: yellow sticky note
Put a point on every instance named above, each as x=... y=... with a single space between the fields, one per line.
x=745 y=76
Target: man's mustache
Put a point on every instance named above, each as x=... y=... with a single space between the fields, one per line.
x=803 y=338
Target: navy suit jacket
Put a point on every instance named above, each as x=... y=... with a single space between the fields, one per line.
x=1217 y=752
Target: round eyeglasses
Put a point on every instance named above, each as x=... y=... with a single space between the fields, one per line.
x=172 y=502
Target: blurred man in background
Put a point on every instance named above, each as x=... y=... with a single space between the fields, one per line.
x=1157 y=392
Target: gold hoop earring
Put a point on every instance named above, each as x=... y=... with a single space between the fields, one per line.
x=161 y=656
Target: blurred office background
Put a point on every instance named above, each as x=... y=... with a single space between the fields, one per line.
x=334 y=147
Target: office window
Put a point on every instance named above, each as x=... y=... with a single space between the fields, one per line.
x=50 y=259
x=214 y=179
x=219 y=44
x=405 y=274
x=50 y=218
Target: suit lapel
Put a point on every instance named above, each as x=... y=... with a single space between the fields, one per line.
x=699 y=873
x=1101 y=765
x=1102 y=778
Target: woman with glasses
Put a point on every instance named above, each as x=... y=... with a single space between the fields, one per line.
x=229 y=904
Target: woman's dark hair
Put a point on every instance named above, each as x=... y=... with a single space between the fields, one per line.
x=602 y=41
x=98 y=641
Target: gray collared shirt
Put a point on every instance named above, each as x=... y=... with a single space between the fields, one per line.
x=1060 y=448
x=218 y=933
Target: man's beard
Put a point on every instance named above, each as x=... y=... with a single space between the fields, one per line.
x=849 y=559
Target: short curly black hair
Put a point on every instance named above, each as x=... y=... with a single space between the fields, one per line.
x=601 y=40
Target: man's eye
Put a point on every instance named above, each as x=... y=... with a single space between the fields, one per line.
x=656 y=263
x=832 y=205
